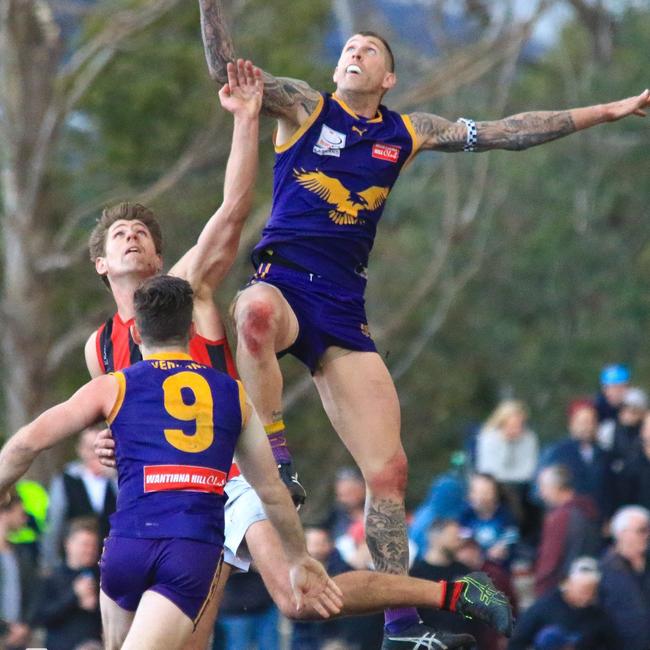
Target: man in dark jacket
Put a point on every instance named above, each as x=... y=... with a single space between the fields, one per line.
x=570 y=529
x=589 y=465
x=625 y=586
x=571 y=607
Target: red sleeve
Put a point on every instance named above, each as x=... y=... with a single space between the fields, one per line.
x=551 y=550
x=98 y=347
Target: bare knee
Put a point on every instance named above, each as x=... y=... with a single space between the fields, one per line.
x=257 y=324
x=388 y=478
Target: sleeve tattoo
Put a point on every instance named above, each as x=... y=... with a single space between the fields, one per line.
x=514 y=133
x=283 y=97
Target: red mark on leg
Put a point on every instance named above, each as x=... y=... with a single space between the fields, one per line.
x=258 y=325
x=391 y=478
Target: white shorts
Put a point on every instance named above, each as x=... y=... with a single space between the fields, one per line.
x=243 y=509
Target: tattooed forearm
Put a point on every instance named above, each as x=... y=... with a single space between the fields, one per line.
x=284 y=97
x=216 y=40
x=514 y=133
x=386 y=536
x=524 y=130
x=435 y=132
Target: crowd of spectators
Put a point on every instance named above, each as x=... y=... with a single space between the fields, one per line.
x=563 y=529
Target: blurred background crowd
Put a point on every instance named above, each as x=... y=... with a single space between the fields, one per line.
x=563 y=529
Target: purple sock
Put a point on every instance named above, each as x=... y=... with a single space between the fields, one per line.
x=278 y=443
x=398 y=620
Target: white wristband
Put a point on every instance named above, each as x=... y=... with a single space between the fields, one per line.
x=472 y=134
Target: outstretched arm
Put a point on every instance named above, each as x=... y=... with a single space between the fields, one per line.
x=311 y=585
x=208 y=261
x=88 y=405
x=291 y=101
x=523 y=130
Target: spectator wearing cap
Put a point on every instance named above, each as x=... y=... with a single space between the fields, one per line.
x=573 y=608
x=590 y=466
x=634 y=478
x=571 y=528
x=17 y=577
x=628 y=427
x=625 y=587
x=614 y=382
x=445 y=500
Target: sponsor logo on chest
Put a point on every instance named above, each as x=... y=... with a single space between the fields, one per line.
x=387 y=152
x=330 y=142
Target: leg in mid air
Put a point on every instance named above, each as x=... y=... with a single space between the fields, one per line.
x=115 y=622
x=360 y=399
x=266 y=325
x=366 y=592
x=158 y=623
x=202 y=633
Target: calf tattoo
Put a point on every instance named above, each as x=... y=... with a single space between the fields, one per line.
x=386 y=536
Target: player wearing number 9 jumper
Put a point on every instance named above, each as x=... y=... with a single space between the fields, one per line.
x=176 y=424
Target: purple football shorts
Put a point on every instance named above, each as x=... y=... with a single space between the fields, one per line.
x=182 y=570
x=327 y=314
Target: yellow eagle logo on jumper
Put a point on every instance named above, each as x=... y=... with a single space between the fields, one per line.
x=346 y=204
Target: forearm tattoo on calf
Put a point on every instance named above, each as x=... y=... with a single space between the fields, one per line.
x=386 y=536
x=216 y=40
x=524 y=130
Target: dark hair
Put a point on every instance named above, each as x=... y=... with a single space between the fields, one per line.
x=127 y=212
x=438 y=525
x=163 y=310
x=78 y=524
x=389 y=51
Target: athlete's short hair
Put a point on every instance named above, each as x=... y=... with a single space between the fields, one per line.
x=128 y=212
x=389 y=51
x=163 y=310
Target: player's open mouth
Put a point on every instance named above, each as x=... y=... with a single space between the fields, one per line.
x=133 y=249
x=353 y=69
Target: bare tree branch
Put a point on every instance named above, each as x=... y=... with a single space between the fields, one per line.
x=469 y=64
x=120 y=27
x=74 y=338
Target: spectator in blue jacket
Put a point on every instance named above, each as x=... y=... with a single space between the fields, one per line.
x=625 y=585
x=488 y=520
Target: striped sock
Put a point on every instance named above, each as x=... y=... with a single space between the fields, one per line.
x=399 y=619
x=276 y=435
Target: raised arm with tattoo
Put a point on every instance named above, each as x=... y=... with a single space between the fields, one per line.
x=520 y=131
x=291 y=101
